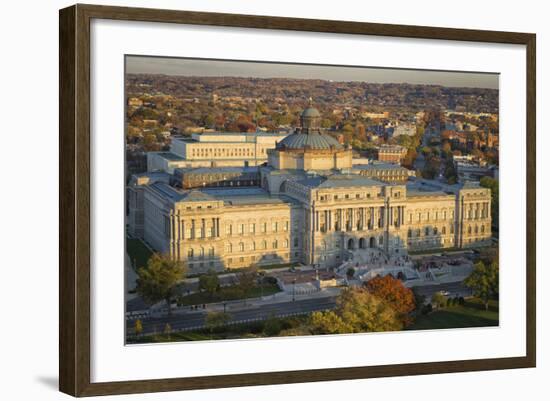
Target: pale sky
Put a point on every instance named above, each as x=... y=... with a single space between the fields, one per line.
x=251 y=69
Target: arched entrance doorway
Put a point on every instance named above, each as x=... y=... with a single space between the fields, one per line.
x=351 y=244
x=372 y=242
x=362 y=243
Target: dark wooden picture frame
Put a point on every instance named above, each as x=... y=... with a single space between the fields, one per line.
x=74 y=203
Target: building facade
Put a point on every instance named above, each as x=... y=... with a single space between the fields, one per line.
x=391 y=153
x=215 y=150
x=308 y=204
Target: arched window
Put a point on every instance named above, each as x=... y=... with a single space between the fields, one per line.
x=469 y=229
x=409 y=233
x=285 y=244
x=241 y=247
x=381 y=240
x=229 y=248
x=482 y=229
x=475 y=229
x=427 y=231
x=211 y=252
x=190 y=253
x=201 y=252
x=435 y=230
x=275 y=244
x=264 y=244
x=443 y=230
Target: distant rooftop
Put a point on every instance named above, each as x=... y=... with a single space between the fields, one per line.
x=217 y=170
x=222 y=137
x=339 y=181
x=247 y=196
x=378 y=166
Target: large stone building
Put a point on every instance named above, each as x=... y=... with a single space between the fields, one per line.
x=308 y=204
x=215 y=149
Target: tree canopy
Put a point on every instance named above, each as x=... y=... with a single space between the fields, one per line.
x=492 y=184
x=393 y=292
x=357 y=310
x=209 y=282
x=484 y=281
x=158 y=280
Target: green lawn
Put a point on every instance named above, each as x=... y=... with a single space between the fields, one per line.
x=472 y=314
x=138 y=252
x=227 y=294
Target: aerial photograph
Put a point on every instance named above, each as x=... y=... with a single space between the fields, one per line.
x=276 y=200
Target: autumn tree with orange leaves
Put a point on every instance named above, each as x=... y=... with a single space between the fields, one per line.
x=394 y=293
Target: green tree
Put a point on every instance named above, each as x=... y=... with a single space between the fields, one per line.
x=272 y=326
x=209 y=282
x=138 y=327
x=357 y=311
x=157 y=281
x=247 y=280
x=216 y=320
x=328 y=323
x=484 y=281
x=439 y=300
x=492 y=184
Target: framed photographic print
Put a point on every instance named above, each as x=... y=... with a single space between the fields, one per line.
x=250 y=200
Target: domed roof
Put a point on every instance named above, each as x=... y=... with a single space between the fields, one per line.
x=311 y=112
x=315 y=140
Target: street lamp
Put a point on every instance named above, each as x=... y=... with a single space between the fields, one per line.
x=294 y=290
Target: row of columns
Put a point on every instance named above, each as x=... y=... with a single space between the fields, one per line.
x=179 y=227
x=478 y=210
x=358 y=219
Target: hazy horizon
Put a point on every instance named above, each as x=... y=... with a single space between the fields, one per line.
x=271 y=70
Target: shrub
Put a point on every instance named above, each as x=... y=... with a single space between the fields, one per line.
x=272 y=327
x=461 y=301
x=269 y=280
x=427 y=309
x=449 y=302
x=439 y=300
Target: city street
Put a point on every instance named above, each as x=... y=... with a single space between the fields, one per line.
x=196 y=320
x=454 y=289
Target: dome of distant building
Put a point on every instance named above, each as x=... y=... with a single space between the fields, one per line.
x=311 y=112
x=315 y=140
x=309 y=135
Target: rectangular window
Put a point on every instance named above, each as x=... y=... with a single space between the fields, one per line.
x=252 y=228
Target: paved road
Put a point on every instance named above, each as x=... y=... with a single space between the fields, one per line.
x=196 y=319
x=455 y=289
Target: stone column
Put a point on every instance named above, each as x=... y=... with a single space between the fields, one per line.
x=317 y=225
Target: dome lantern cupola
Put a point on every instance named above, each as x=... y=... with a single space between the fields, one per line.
x=310 y=118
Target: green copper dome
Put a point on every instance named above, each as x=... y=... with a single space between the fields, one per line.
x=309 y=135
x=311 y=112
x=313 y=140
